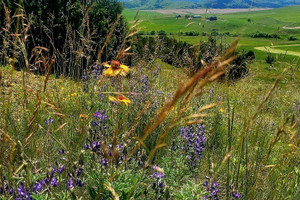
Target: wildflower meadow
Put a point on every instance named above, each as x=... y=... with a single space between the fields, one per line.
x=85 y=116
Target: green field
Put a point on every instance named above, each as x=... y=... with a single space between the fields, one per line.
x=289 y=47
x=237 y=24
x=269 y=21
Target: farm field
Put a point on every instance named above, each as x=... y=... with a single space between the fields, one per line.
x=237 y=24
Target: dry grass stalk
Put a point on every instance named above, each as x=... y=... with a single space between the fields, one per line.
x=108 y=37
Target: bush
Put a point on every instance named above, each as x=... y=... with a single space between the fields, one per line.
x=270 y=59
x=161 y=32
x=292 y=38
x=191 y=33
x=264 y=35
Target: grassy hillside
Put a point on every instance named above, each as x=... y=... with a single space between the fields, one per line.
x=237 y=24
x=270 y=21
x=171 y=4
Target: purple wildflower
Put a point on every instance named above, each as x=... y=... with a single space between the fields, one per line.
x=37 y=187
x=194 y=142
x=1 y=189
x=86 y=147
x=21 y=191
x=11 y=191
x=212 y=189
x=49 y=121
x=54 y=182
x=62 y=151
x=236 y=195
x=145 y=86
x=96 y=146
x=70 y=184
x=79 y=171
x=104 y=162
x=54 y=170
x=158 y=184
x=61 y=169
x=79 y=183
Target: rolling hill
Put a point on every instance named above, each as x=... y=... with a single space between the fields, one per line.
x=173 y=4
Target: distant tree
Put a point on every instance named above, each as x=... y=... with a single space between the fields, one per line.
x=161 y=32
x=292 y=38
x=152 y=33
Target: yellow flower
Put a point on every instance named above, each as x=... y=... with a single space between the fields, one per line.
x=83 y=116
x=120 y=99
x=125 y=100
x=116 y=69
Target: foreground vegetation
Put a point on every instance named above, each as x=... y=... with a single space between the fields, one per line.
x=152 y=131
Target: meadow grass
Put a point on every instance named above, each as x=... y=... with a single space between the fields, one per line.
x=72 y=106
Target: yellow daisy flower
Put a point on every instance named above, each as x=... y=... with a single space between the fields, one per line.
x=116 y=68
x=120 y=99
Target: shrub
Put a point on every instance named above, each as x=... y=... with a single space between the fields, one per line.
x=264 y=35
x=270 y=59
x=161 y=32
x=292 y=38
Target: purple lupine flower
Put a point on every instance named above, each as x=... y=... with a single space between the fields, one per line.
x=70 y=184
x=79 y=171
x=62 y=151
x=204 y=198
x=44 y=182
x=54 y=182
x=236 y=195
x=104 y=162
x=100 y=116
x=194 y=142
x=120 y=147
x=61 y=169
x=21 y=191
x=96 y=146
x=79 y=183
x=162 y=184
x=11 y=191
x=156 y=71
x=145 y=86
x=158 y=184
x=37 y=187
x=54 y=170
x=215 y=185
x=86 y=146
x=1 y=189
x=49 y=121
x=212 y=189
